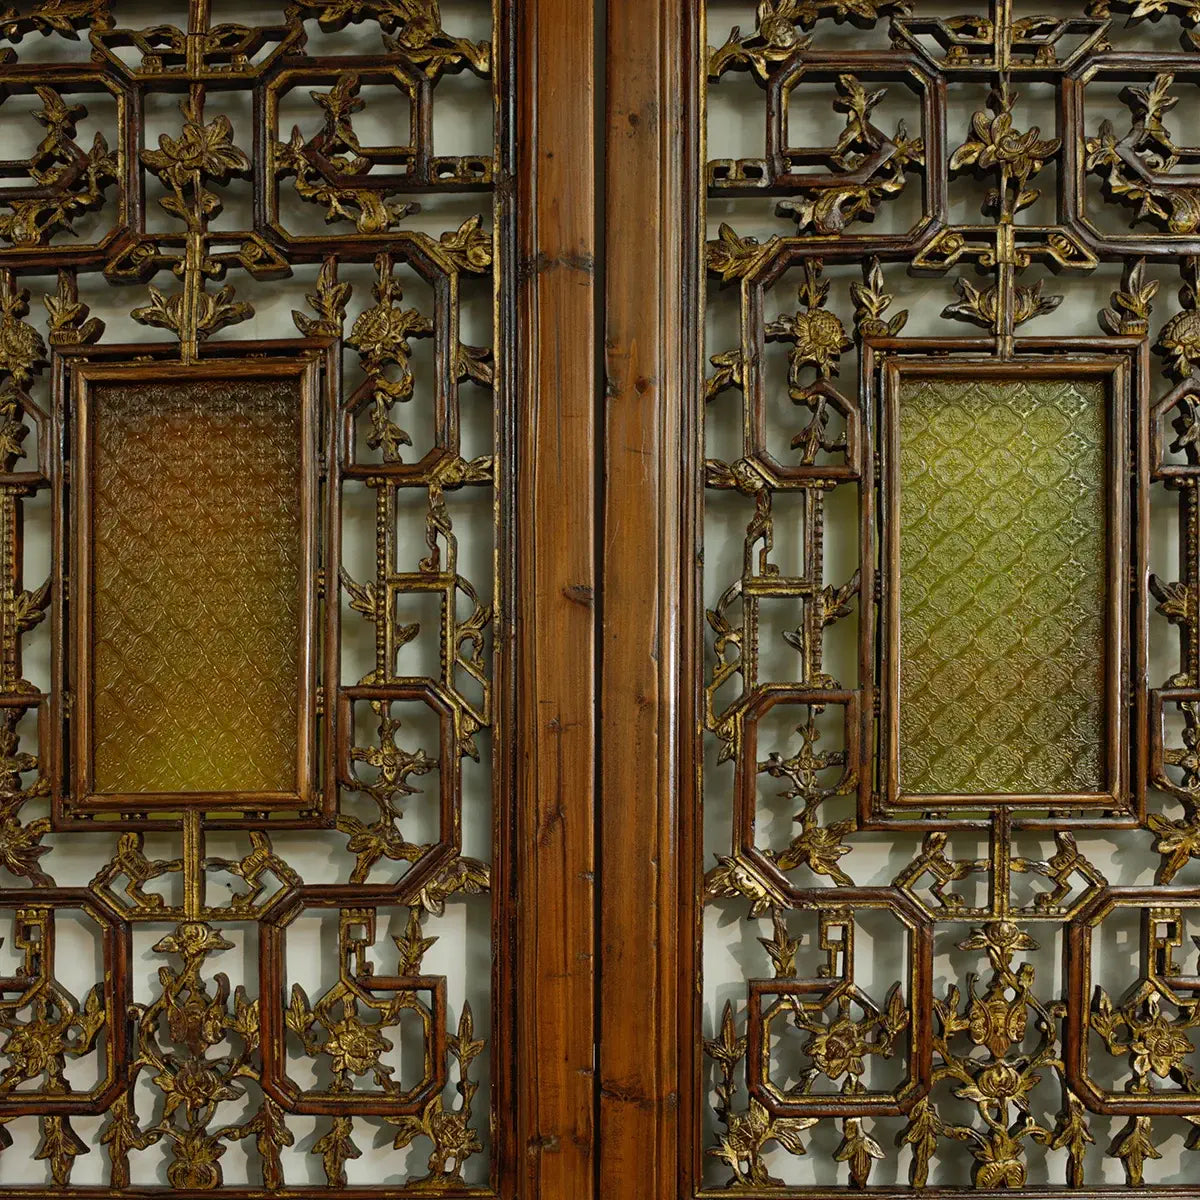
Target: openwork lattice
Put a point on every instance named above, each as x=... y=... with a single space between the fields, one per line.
x=951 y=784
x=250 y=580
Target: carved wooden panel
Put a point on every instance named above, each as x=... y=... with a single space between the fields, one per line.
x=256 y=643
x=950 y=813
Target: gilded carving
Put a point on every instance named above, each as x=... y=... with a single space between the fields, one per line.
x=877 y=523
x=195 y=478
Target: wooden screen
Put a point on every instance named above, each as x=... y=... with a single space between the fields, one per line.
x=265 y=765
x=938 y=864
x=863 y=585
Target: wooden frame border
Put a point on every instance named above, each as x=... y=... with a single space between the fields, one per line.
x=84 y=377
x=1124 y=546
x=1059 y=358
x=309 y=359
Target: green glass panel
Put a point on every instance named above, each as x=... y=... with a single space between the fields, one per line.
x=1003 y=552
x=196 y=556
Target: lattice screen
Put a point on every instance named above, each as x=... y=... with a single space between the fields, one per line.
x=951 y=568
x=254 y=546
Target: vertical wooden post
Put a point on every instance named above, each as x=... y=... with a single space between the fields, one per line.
x=554 y=407
x=647 y=655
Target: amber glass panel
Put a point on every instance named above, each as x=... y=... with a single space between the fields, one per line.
x=1003 y=553
x=196 y=552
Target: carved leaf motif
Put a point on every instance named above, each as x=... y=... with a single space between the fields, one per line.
x=69 y=321
x=731 y=256
x=782 y=950
x=469 y=247
x=161 y=311
x=871 y=302
x=271 y=1135
x=121 y=1135
x=858 y=1150
x=1129 y=311
x=464 y=1045
x=336 y=1148
x=836 y=603
x=727 y=1049
x=60 y=1146
x=1073 y=1134
x=1134 y=1145
x=299 y=1015
x=921 y=1133
x=1176 y=601
x=362 y=595
x=412 y=945
x=464 y=875
x=328 y=301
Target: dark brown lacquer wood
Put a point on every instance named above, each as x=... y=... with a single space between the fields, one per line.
x=988 y=988
x=308 y=690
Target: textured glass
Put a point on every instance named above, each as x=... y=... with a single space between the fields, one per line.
x=196 y=586
x=1002 y=586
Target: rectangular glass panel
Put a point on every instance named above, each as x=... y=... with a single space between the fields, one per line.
x=196 y=558
x=1003 y=585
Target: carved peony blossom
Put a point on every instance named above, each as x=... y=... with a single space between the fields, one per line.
x=838 y=1050
x=1180 y=342
x=355 y=1047
x=1159 y=1047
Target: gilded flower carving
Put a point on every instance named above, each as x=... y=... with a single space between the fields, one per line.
x=203 y=149
x=22 y=350
x=1179 y=340
x=355 y=1047
x=382 y=335
x=997 y=144
x=1000 y=1082
x=34 y=1048
x=838 y=1049
x=1156 y=1044
x=197 y=1086
x=817 y=336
